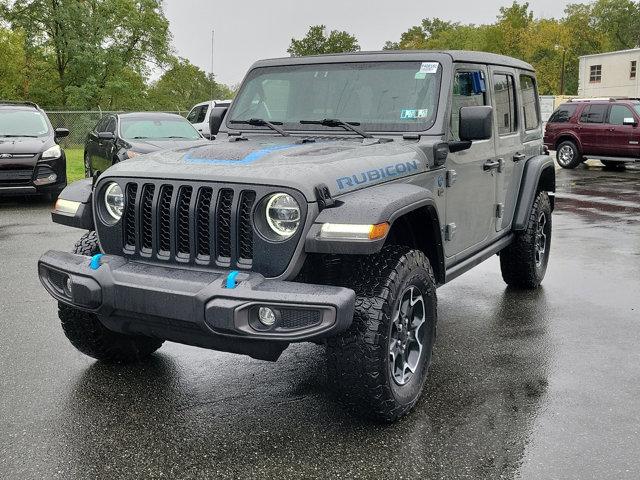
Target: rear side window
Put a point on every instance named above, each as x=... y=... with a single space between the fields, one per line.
x=198 y=114
x=618 y=113
x=563 y=114
x=505 y=98
x=530 y=105
x=593 y=114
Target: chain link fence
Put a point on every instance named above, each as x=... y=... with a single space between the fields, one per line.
x=79 y=124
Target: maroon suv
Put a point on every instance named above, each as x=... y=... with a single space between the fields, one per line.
x=606 y=130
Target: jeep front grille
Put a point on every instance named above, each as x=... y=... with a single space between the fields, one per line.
x=201 y=224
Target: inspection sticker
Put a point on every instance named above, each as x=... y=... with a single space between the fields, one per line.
x=406 y=113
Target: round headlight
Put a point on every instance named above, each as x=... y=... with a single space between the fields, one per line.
x=283 y=214
x=114 y=201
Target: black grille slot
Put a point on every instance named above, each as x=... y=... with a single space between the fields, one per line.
x=164 y=220
x=293 y=319
x=182 y=221
x=223 y=223
x=245 y=228
x=203 y=232
x=130 y=216
x=146 y=222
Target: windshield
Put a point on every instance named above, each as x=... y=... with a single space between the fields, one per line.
x=379 y=96
x=157 y=128
x=22 y=123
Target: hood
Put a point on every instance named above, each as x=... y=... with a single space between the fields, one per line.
x=343 y=164
x=24 y=145
x=154 y=145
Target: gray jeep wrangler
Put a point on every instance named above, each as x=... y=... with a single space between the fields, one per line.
x=339 y=193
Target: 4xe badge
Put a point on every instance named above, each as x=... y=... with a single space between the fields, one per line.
x=6 y=155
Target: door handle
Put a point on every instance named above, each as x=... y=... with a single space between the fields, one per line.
x=490 y=165
x=519 y=156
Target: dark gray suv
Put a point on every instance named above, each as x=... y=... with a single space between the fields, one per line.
x=340 y=192
x=31 y=161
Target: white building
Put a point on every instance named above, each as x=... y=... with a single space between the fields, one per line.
x=612 y=74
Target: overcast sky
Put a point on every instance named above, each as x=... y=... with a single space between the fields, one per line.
x=248 y=30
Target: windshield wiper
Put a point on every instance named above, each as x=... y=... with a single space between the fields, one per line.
x=19 y=136
x=334 y=122
x=259 y=122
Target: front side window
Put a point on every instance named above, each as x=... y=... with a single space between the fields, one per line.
x=564 y=113
x=198 y=114
x=618 y=113
x=505 y=101
x=530 y=105
x=593 y=114
x=157 y=128
x=595 y=74
x=22 y=123
x=379 y=96
x=469 y=90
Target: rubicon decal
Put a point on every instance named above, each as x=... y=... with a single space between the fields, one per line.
x=377 y=174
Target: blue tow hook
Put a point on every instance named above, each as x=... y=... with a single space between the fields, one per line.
x=231 y=279
x=95 y=261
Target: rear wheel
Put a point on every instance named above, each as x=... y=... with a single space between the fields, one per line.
x=524 y=262
x=568 y=155
x=88 y=335
x=379 y=366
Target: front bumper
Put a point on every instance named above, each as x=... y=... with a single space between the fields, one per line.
x=29 y=178
x=197 y=307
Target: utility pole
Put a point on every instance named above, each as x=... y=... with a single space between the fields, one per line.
x=564 y=54
x=212 y=36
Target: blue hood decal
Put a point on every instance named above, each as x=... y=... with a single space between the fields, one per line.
x=194 y=156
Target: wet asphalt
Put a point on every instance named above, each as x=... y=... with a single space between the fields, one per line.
x=542 y=384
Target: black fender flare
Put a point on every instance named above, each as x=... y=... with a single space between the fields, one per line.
x=80 y=192
x=370 y=206
x=539 y=175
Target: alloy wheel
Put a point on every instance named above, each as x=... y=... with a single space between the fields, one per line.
x=541 y=239
x=407 y=336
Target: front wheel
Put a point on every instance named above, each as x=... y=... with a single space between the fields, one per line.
x=379 y=366
x=568 y=155
x=88 y=335
x=524 y=261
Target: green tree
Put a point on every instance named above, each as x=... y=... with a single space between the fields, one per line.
x=95 y=47
x=619 y=21
x=317 y=42
x=183 y=85
x=13 y=65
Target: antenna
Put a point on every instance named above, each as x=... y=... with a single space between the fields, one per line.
x=211 y=94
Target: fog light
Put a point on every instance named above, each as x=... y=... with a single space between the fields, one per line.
x=45 y=180
x=266 y=316
x=68 y=286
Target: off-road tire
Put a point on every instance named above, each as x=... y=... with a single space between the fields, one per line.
x=87 y=334
x=613 y=165
x=518 y=261
x=358 y=360
x=576 y=156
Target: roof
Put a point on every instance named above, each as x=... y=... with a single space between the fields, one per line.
x=617 y=52
x=149 y=115
x=18 y=104
x=465 y=56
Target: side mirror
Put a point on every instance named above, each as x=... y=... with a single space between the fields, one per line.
x=630 y=121
x=106 y=136
x=215 y=119
x=61 y=132
x=476 y=123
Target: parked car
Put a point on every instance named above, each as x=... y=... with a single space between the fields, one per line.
x=118 y=137
x=31 y=161
x=200 y=114
x=340 y=192
x=600 y=129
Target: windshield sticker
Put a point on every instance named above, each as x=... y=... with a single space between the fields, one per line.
x=409 y=114
x=429 y=67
